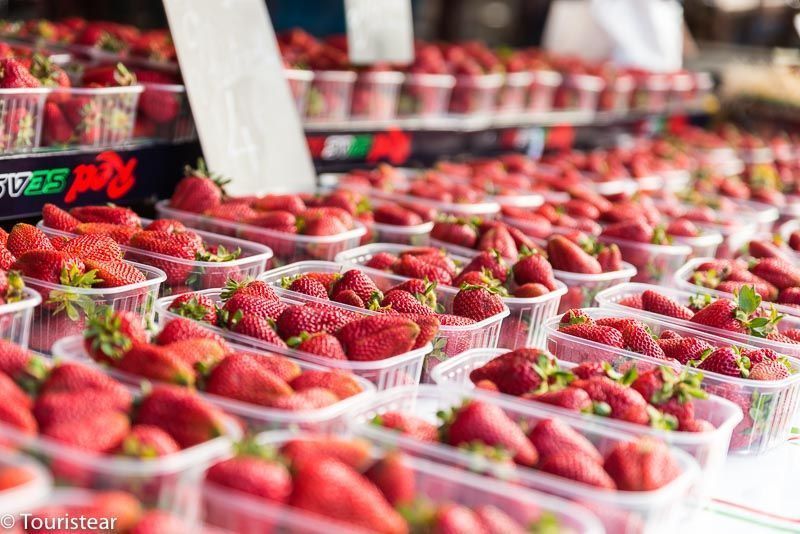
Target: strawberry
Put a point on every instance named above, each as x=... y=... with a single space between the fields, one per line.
x=182 y=414
x=146 y=441
x=769 y=370
x=357 y=501
x=451 y=517
x=610 y=258
x=94 y=247
x=110 y=334
x=636 y=230
x=320 y=343
x=643 y=465
x=281 y=221
x=18 y=416
x=291 y=203
x=25 y=237
x=12 y=393
x=338 y=382
x=107 y=214
x=599 y=334
x=322 y=226
x=244 y=304
x=684 y=349
x=55 y=217
x=120 y=233
x=575 y=316
x=577 y=467
x=726 y=361
x=180 y=329
x=297 y=319
x=394 y=478
x=14 y=75
x=477 y=303
x=790 y=295
x=409 y=425
x=564 y=255
x=309 y=286
x=414 y=267
x=738 y=314
x=181 y=245
x=570 y=398
x=100 y=432
x=776 y=271
x=396 y=215
x=240 y=377
x=358 y=282
x=198 y=353
x=516 y=372
x=194 y=306
x=424 y=291
x=55 y=267
x=552 y=437
x=198 y=191
x=255 y=473
x=378 y=337
x=156 y=363
x=115 y=273
x=621 y=402
x=479 y=423
x=499 y=239
x=308 y=399
x=258 y=328
x=355 y=453
x=682 y=228
x=765 y=290
x=13 y=477
x=238 y=211
x=158 y=521
x=381 y=261
x=494 y=263
x=530 y=291
x=663 y=305
x=534 y=268
x=404 y=302
x=639 y=339
x=456 y=232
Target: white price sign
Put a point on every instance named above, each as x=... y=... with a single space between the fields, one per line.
x=379 y=30
x=243 y=109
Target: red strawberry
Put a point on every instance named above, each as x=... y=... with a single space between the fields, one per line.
x=622 y=402
x=534 y=268
x=240 y=377
x=552 y=437
x=55 y=267
x=724 y=360
x=776 y=271
x=599 y=334
x=94 y=247
x=156 y=363
x=357 y=501
x=355 y=453
x=575 y=316
x=396 y=215
x=255 y=474
x=683 y=228
x=55 y=217
x=564 y=255
x=639 y=339
x=25 y=237
x=769 y=370
x=496 y=521
x=381 y=261
x=98 y=432
x=494 y=264
x=610 y=258
x=570 y=398
x=244 y=304
x=107 y=214
x=309 y=286
x=18 y=416
x=248 y=287
x=404 y=302
x=291 y=203
x=643 y=465
x=14 y=75
x=663 y=305
x=120 y=233
x=56 y=130
x=530 y=291
x=684 y=349
x=298 y=319
x=636 y=230
x=308 y=399
x=477 y=303
x=115 y=273
x=486 y=424
x=414 y=267
x=516 y=372
x=282 y=221
x=577 y=467
x=394 y=478
x=257 y=328
x=189 y=419
x=349 y=297
x=111 y=334
x=358 y=282
x=320 y=343
x=409 y=425
x=198 y=191
x=194 y=306
x=378 y=337
x=146 y=441
x=181 y=329
x=339 y=383
x=499 y=239
x=456 y=232
x=452 y=518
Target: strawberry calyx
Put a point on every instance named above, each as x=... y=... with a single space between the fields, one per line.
x=71 y=303
x=699 y=301
x=201 y=171
x=497 y=454
x=681 y=386
x=191 y=309
x=601 y=408
x=251 y=447
x=710 y=278
x=104 y=330
x=232 y=286
x=747 y=302
x=75 y=277
x=294 y=341
x=16 y=286
x=221 y=255
x=660 y=236
x=661 y=420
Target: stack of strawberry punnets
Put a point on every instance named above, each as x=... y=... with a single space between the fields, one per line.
x=22 y=111
x=71 y=274
x=128 y=512
x=775 y=279
x=659 y=397
x=388 y=492
x=186 y=354
x=154 y=244
x=253 y=311
x=759 y=380
x=81 y=413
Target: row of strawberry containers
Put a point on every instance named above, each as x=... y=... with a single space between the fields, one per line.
x=92 y=117
x=341 y=95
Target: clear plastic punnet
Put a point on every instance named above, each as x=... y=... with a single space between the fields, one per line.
x=522 y=326
x=186 y=275
x=611 y=298
x=769 y=405
x=243 y=513
x=425 y=95
x=299 y=84
x=105 y=116
x=395 y=371
x=21 y=114
x=512 y=96
x=375 y=95
x=450 y=340
x=330 y=95
x=170 y=482
x=287 y=248
x=683 y=280
x=703 y=245
x=16 y=317
x=654 y=263
x=709 y=448
x=475 y=94
x=29 y=494
x=164 y=113
x=257 y=418
x=620 y=511
x=582 y=288
x=542 y=90
x=64 y=309
x=579 y=92
x=488 y=207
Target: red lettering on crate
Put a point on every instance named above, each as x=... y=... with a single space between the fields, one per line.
x=108 y=172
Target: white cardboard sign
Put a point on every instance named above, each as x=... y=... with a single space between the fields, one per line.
x=379 y=30
x=248 y=126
